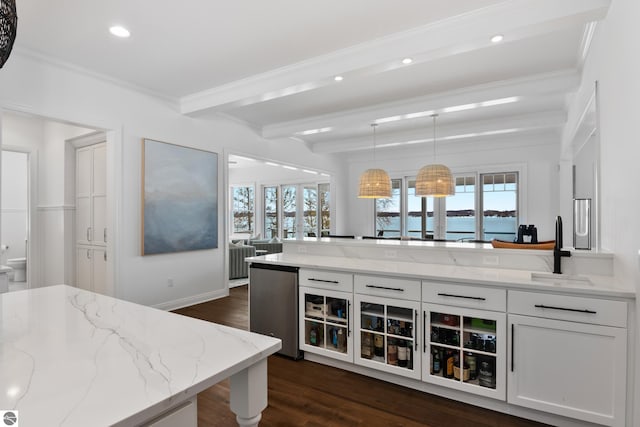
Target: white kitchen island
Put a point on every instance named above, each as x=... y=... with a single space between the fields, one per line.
x=69 y=357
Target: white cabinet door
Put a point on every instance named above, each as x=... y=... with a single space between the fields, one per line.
x=83 y=221
x=84 y=279
x=325 y=323
x=568 y=368
x=99 y=169
x=84 y=171
x=387 y=335
x=99 y=227
x=99 y=273
x=465 y=349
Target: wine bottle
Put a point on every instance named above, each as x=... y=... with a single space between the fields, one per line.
x=402 y=353
x=436 y=362
x=378 y=345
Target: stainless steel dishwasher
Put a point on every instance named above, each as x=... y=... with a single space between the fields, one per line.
x=273 y=304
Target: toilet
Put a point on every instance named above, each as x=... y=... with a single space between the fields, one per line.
x=19 y=267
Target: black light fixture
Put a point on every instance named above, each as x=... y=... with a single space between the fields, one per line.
x=8 y=28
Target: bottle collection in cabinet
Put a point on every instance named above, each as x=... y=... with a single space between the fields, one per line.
x=386 y=335
x=325 y=326
x=464 y=349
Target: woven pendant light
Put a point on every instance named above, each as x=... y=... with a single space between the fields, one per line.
x=435 y=180
x=374 y=183
x=8 y=27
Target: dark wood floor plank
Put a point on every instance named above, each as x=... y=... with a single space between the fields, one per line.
x=303 y=393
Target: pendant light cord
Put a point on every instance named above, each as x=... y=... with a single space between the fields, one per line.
x=374 y=126
x=434 y=137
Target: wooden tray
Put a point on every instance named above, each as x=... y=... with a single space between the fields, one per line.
x=547 y=244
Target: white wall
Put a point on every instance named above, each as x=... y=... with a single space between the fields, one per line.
x=614 y=62
x=536 y=156
x=27 y=84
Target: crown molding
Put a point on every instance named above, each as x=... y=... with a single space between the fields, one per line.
x=41 y=58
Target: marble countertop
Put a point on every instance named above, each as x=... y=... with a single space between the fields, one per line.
x=69 y=357
x=517 y=279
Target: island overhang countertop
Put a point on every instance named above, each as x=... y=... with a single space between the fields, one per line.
x=70 y=357
x=593 y=285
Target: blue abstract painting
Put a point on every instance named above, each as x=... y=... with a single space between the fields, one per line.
x=180 y=206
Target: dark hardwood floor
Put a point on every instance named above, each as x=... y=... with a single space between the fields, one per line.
x=303 y=393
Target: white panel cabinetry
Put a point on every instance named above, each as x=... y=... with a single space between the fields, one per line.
x=568 y=356
x=91 y=224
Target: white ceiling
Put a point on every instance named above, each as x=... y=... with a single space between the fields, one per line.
x=271 y=63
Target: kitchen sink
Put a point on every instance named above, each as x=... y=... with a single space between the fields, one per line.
x=561 y=279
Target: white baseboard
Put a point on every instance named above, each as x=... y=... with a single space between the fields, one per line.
x=192 y=300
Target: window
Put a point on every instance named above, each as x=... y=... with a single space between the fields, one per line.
x=499 y=206
x=289 y=213
x=456 y=217
x=388 y=212
x=243 y=209
x=287 y=207
x=419 y=217
x=271 y=211
x=325 y=213
x=310 y=213
x=461 y=212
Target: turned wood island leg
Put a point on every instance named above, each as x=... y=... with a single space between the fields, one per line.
x=249 y=394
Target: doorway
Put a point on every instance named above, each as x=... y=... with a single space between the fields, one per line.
x=14 y=227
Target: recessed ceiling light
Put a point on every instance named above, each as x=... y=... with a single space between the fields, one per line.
x=407 y=61
x=497 y=38
x=293 y=168
x=119 y=31
x=338 y=78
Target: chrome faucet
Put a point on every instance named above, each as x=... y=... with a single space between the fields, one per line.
x=558 y=253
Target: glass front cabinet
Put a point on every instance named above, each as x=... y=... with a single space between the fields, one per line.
x=386 y=335
x=325 y=323
x=465 y=349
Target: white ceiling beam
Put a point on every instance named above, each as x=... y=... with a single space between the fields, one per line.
x=538 y=86
x=451 y=36
x=467 y=130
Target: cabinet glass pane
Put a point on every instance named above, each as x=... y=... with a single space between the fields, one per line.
x=314 y=333
x=337 y=310
x=445 y=362
x=314 y=306
x=400 y=353
x=400 y=321
x=479 y=334
x=445 y=319
x=336 y=338
x=372 y=316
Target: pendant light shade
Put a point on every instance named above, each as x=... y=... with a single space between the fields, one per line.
x=374 y=183
x=8 y=27
x=435 y=180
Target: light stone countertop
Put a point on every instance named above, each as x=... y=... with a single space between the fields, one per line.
x=516 y=279
x=69 y=357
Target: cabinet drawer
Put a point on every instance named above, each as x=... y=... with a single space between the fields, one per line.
x=323 y=279
x=465 y=296
x=573 y=308
x=388 y=287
